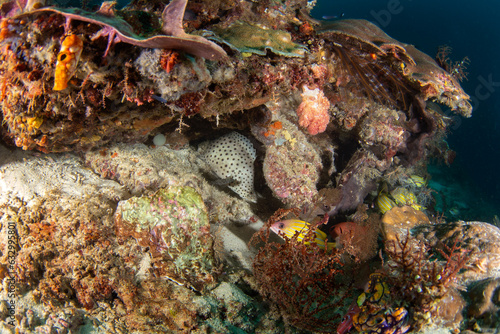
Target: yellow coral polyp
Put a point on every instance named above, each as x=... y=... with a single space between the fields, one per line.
x=33 y=123
x=67 y=60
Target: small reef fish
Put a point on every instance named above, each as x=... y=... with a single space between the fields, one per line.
x=292 y=226
x=67 y=61
x=416 y=181
x=332 y=17
x=403 y=196
x=342 y=229
x=399 y=196
x=384 y=202
x=346 y=324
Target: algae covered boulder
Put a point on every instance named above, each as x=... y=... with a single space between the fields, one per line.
x=172 y=224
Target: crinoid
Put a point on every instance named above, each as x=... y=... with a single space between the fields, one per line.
x=376 y=70
x=374 y=76
x=456 y=68
x=390 y=71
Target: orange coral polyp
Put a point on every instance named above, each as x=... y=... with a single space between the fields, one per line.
x=276 y=125
x=67 y=60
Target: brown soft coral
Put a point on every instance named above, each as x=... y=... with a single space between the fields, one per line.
x=303 y=280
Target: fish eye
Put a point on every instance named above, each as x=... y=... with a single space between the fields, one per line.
x=281 y=225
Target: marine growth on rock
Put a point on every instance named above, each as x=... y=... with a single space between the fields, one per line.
x=173 y=226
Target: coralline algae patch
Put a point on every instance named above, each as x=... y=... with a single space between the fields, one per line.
x=292 y=166
x=232 y=157
x=173 y=224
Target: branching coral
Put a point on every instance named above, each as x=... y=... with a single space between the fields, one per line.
x=307 y=283
x=422 y=275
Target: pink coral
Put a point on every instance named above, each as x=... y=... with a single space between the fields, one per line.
x=313 y=111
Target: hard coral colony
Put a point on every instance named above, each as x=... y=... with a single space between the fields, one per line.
x=256 y=108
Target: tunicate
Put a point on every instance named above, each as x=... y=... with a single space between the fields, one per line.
x=159 y=140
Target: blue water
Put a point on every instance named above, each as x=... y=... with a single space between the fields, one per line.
x=472 y=29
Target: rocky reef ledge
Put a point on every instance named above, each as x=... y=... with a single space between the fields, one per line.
x=228 y=167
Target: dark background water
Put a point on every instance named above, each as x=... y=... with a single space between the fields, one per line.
x=472 y=29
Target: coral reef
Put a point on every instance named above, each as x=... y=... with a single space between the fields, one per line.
x=77 y=268
x=145 y=226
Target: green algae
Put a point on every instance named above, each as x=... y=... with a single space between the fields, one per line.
x=173 y=224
